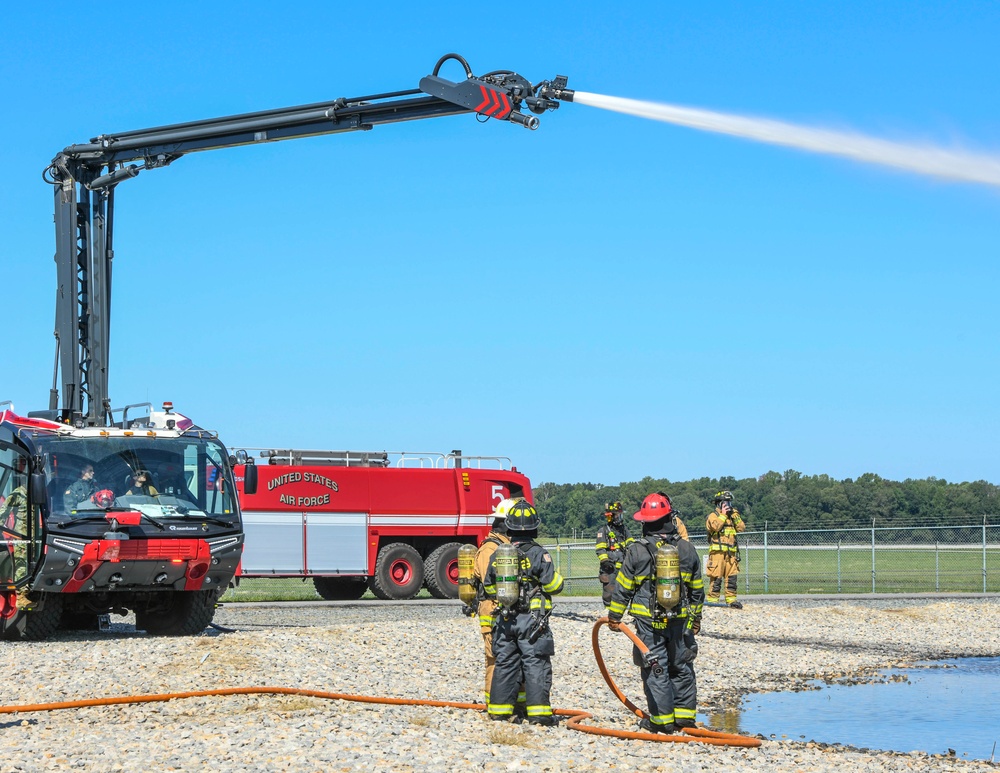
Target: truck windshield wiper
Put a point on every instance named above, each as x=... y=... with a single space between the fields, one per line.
x=183 y=512
x=80 y=519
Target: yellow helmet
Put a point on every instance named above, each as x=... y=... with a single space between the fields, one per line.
x=503 y=507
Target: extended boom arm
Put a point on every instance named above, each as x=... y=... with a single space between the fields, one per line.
x=85 y=177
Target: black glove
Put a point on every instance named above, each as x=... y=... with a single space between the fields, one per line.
x=614 y=623
x=607 y=567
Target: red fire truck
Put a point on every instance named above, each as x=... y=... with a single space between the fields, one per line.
x=391 y=522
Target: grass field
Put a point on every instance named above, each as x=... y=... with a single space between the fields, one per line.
x=820 y=570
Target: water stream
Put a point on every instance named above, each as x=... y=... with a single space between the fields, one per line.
x=950 y=705
x=952 y=164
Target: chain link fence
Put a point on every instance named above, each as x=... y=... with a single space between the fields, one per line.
x=942 y=559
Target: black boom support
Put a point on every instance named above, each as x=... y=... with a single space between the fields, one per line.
x=85 y=177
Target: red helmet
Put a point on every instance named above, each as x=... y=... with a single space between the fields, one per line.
x=103 y=498
x=654 y=507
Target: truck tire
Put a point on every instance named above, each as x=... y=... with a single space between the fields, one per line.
x=399 y=572
x=43 y=621
x=341 y=588
x=441 y=568
x=38 y=623
x=188 y=613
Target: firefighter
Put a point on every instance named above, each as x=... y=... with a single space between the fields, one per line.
x=612 y=539
x=723 y=563
x=142 y=485
x=667 y=670
x=487 y=605
x=14 y=525
x=82 y=489
x=522 y=640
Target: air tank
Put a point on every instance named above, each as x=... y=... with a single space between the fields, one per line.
x=668 y=576
x=467 y=574
x=506 y=564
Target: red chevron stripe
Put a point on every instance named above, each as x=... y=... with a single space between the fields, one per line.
x=496 y=103
x=486 y=99
x=505 y=111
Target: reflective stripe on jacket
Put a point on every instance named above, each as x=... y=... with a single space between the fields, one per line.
x=722 y=531
x=484 y=556
x=537 y=570
x=612 y=539
x=636 y=585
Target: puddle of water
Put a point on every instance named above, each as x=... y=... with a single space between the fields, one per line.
x=939 y=709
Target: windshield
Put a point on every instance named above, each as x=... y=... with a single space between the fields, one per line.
x=157 y=476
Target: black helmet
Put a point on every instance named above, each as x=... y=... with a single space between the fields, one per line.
x=521 y=516
x=723 y=496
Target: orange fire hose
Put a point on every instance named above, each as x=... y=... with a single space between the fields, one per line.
x=576 y=716
x=691 y=734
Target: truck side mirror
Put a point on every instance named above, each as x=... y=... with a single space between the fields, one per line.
x=250 y=478
x=39 y=493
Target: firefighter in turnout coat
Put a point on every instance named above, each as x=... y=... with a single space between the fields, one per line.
x=667 y=671
x=522 y=639
x=612 y=539
x=487 y=605
x=723 y=563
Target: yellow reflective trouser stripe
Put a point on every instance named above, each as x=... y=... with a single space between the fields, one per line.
x=662 y=719
x=500 y=708
x=684 y=713
x=539 y=711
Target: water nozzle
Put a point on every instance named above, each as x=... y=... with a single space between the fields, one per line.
x=554 y=89
x=527 y=121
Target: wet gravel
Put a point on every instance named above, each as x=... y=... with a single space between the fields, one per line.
x=428 y=650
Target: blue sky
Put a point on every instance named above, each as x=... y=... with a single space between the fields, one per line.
x=600 y=300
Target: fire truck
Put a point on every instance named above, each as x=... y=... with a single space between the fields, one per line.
x=138 y=514
x=351 y=521
x=69 y=563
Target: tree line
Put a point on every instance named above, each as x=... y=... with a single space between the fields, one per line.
x=788 y=500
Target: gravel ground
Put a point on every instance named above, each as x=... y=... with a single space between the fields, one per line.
x=428 y=650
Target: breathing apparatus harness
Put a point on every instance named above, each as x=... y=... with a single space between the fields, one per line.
x=517 y=591
x=669 y=595
x=470 y=588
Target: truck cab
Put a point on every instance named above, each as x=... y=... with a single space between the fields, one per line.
x=141 y=516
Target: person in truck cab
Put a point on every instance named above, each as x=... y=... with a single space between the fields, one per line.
x=83 y=489
x=142 y=485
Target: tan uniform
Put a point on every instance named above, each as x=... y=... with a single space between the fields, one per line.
x=487 y=605
x=681 y=528
x=723 y=563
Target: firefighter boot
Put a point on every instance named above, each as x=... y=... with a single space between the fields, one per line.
x=546 y=721
x=23 y=602
x=682 y=723
x=735 y=605
x=650 y=727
